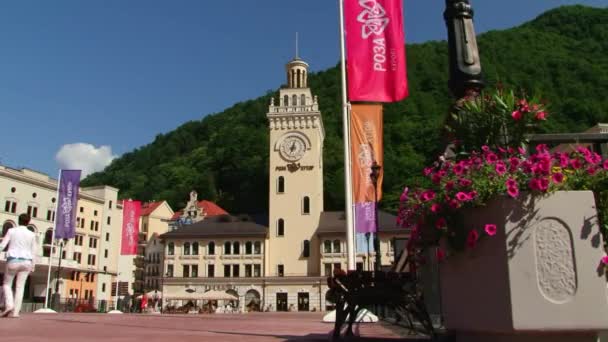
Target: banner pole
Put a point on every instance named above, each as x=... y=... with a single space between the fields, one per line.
x=48 y=276
x=350 y=227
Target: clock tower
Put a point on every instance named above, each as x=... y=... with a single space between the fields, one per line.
x=296 y=177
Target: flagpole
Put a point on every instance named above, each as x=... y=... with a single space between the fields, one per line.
x=48 y=276
x=350 y=227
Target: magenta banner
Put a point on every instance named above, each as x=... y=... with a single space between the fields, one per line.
x=131 y=211
x=365 y=217
x=375 y=56
x=69 y=183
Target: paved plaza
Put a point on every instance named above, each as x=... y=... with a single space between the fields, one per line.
x=181 y=328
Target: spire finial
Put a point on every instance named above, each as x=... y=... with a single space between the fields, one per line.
x=297 y=46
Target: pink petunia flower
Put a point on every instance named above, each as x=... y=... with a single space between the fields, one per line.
x=454 y=204
x=472 y=195
x=605 y=165
x=427 y=195
x=500 y=168
x=541 y=116
x=404 y=194
x=449 y=185
x=604 y=260
x=521 y=150
x=458 y=169
x=490 y=229
x=435 y=207
x=472 y=238
x=427 y=171
x=440 y=255
x=516 y=115
x=511 y=182
x=591 y=171
x=464 y=182
x=491 y=158
x=513 y=191
x=436 y=178
x=576 y=164
x=543 y=184
x=558 y=177
x=462 y=196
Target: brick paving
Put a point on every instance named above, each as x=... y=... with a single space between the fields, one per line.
x=180 y=328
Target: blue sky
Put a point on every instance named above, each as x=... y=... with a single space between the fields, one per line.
x=116 y=73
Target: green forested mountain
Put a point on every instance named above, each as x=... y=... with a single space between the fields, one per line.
x=562 y=54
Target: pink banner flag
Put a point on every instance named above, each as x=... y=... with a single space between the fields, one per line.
x=375 y=57
x=131 y=211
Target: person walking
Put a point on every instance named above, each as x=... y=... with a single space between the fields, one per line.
x=19 y=264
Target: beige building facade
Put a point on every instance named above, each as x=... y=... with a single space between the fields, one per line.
x=89 y=261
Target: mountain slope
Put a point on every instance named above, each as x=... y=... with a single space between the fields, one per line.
x=562 y=54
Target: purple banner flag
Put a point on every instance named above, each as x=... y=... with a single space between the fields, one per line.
x=69 y=183
x=365 y=217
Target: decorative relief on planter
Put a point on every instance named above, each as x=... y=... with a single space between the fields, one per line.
x=555 y=270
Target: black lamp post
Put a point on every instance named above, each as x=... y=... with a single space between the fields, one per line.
x=465 y=67
x=162 y=290
x=374 y=177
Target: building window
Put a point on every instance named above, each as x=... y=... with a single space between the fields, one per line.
x=109 y=220
x=103 y=287
x=286 y=100
x=91 y=259
x=210 y=271
x=194 y=248
x=186 y=271
x=303 y=100
x=306 y=205
x=107 y=236
x=337 y=266
x=226 y=271
x=82 y=223
x=145 y=228
x=294 y=98
x=78 y=257
x=94 y=212
x=227 y=248
x=96 y=226
x=306 y=249
x=326 y=246
x=81 y=209
x=257 y=247
x=13 y=189
x=110 y=205
x=194 y=271
x=327 y=270
x=280 y=270
x=49 y=215
x=248 y=247
x=281 y=185
x=105 y=253
x=336 y=246
x=92 y=225
x=257 y=270
x=236 y=271
x=211 y=248
x=78 y=240
x=236 y=248
x=92 y=242
x=170 y=270
x=171 y=248
x=281 y=227
x=187 y=248
x=7 y=206
x=359 y=266
x=248 y=271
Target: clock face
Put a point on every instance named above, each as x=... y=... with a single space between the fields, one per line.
x=292 y=148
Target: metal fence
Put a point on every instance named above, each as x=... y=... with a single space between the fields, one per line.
x=76 y=305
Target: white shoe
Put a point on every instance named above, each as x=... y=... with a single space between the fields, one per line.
x=6 y=312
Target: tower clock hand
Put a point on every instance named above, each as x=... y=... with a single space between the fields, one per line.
x=293 y=147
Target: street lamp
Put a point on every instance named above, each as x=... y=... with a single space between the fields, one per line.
x=162 y=290
x=374 y=177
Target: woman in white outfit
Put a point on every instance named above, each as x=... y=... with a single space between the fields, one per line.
x=19 y=264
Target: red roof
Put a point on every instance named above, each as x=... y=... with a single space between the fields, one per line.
x=210 y=209
x=148 y=207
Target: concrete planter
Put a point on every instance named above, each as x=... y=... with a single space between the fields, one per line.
x=538 y=275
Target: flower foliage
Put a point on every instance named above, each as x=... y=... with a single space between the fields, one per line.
x=434 y=213
x=496 y=118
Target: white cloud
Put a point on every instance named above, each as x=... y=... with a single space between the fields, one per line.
x=85 y=157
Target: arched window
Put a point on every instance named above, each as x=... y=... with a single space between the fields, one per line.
x=306 y=249
x=48 y=237
x=195 y=248
x=186 y=248
x=236 y=248
x=248 y=247
x=306 y=205
x=32 y=228
x=281 y=227
x=337 y=246
x=298 y=77
x=257 y=247
x=171 y=248
x=303 y=100
x=304 y=79
x=286 y=100
x=6 y=226
x=226 y=247
x=281 y=185
x=294 y=100
x=327 y=246
x=211 y=248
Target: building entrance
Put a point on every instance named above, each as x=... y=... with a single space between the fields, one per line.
x=303 y=301
x=281 y=301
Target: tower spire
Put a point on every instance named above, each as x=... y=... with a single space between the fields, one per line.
x=297 y=56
